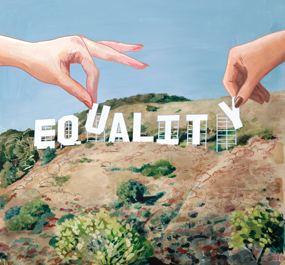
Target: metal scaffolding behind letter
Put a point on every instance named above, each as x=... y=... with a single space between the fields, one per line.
x=225 y=134
x=174 y=129
x=93 y=137
x=203 y=133
x=47 y=138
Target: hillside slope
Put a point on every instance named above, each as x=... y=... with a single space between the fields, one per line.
x=185 y=215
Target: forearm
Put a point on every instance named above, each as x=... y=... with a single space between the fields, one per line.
x=14 y=52
x=270 y=49
x=275 y=48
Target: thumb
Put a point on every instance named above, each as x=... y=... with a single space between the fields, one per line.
x=244 y=93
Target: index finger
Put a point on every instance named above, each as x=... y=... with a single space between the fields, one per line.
x=122 y=47
x=107 y=53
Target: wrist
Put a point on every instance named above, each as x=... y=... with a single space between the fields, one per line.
x=14 y=52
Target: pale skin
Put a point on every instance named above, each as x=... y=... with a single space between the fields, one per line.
x=49 y=61
x=249 y=63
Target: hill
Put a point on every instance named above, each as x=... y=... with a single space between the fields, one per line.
x=180 y=199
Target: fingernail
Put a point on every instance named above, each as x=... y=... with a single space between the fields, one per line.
x=88 y=104
x=238 y=101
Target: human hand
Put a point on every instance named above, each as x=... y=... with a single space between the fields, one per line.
x=249 y=63
x=49 y=61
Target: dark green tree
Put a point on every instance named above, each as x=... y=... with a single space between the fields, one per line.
x=131 y=191
x=48 y=155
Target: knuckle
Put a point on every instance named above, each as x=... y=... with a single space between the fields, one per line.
x=80 y=36
x=233 y=52
x=97 y=72
x=77 y=40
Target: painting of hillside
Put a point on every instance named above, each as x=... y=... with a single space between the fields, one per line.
x=147 y=203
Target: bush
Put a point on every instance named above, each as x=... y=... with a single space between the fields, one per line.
x=3 y=201
x=13 y=211
x=131 y=191
x=152 y=108
x=59 y=181
x=89 y=145
x=267 y=135
x=29 y=161
x=101 y=239
x=109 y=144
x=8 y=175
x=159 y=168
x=48 y=155
x=258 y=227
x=26 y=217
x=64 y=217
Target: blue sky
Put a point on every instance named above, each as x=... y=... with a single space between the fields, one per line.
x=186 y=45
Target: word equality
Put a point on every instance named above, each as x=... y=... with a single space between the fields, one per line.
x=44 y=131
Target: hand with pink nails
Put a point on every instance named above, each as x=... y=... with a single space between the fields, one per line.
x=49 y=61
x=249 y=63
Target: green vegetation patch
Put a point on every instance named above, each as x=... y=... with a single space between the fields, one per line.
x=48 y=155
x=109 y=144
x=101 y=238
x=83 y=160
x=89 y=145
x=152 y=108
x=131 y=191
x=258 y=227
x=267 y=135
x=3 y=201
x=17 y=153
x=64 y=217
x=159 y=168
x=30 y=216
x=8 y=175
x=61 y=180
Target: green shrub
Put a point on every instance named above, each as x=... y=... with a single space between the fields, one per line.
x=26 y=217
x=3 y=201
x=109 y=144
x=258 y=227
x=131 y=191
x=29 y=161
x=152 y=108
x=146 y=213
x=59 y=181
x=2 y=160
x=17 y=153
x=159 y=168
x=267 y=135
x=100 y=238
x=64 y=217
x=8 y=175
x=48 y=155
x=11 y=212
x=83 y=160
x=89 y=145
